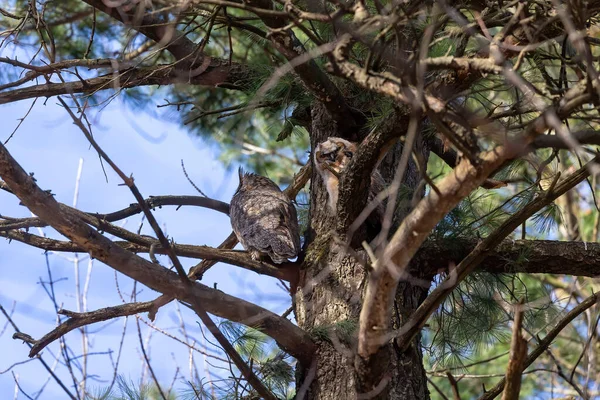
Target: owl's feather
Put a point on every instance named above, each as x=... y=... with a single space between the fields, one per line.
x=264 y=219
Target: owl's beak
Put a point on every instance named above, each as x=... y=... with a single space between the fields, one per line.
x=332 y=170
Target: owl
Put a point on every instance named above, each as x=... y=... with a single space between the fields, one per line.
x=330 y=158
x=264 y=219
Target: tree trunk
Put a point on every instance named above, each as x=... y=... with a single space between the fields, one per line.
x=330 y=296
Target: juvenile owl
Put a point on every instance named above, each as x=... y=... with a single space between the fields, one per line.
x=264 y=219
x=331 y=157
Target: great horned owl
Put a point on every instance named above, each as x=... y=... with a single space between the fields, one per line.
x=264 y=219
x=331 y=157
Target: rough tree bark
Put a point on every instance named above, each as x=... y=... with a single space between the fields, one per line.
x=330 y=296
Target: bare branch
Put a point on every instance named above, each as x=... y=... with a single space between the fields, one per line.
x=42 y=361
x=77 y=320
x=100 y=220
x=233 y=354
x=217 y=73
x=233 y=257
x=291 y=338
x=129 y=181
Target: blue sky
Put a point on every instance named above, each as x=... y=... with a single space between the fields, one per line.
x=50 y=146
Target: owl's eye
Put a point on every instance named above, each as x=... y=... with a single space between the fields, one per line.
x=348 y=154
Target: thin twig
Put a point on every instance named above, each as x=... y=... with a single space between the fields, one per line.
x=233 y=354
x=136 y=193
x=46 y=366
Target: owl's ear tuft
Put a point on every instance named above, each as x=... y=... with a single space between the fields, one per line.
x=241 y=178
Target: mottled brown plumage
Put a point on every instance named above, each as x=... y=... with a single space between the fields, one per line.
x=331 y=158
x=264 y=219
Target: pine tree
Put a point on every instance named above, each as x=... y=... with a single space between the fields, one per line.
x=481 y=118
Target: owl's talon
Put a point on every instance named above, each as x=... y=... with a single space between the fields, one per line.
x=255 y=255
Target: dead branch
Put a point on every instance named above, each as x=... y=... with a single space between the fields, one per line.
x=217 y=73
x=100 y=220
x=76 y=320
x=37 y=70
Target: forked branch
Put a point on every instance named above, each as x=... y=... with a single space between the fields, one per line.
x=76 y=320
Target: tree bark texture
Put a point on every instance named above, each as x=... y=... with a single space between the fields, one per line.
x=330 y=296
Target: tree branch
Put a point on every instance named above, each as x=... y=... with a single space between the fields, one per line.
x=163 y=33
x=545 y=342
x=417 y=320
x=98 y=220
x=314 y=78
x=77 y=320
x=513 y=256
x=217 y=73
x=130 y=183
x=450 y=157
x=518 y=353
x=558 y=142
x=291 y=338
x=233 y=257
x=250 y=376
x=42 y=361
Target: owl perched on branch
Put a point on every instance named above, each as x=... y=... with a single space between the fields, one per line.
x=331 y=158
x=264 y=219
